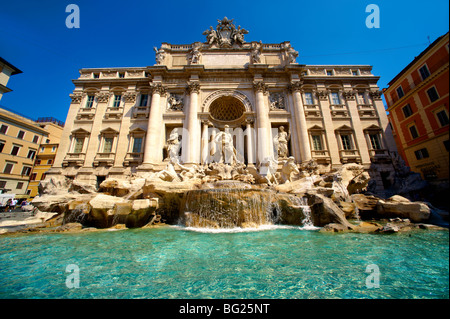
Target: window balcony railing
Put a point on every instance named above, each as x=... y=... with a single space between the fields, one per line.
x=106 y=158
x=86 y=113
x=133 y=158
x=76 y=159
x=350 y=156
x=140 y=111
x=114 y=112
x=378 y=154
x=321 y=156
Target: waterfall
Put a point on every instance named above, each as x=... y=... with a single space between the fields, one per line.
x=229 y=208
x=303 y=204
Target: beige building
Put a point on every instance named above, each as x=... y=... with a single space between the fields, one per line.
x=46 y=152
x=20 y=138
x=126 y=120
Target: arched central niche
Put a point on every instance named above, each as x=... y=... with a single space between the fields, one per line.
x=226 y=108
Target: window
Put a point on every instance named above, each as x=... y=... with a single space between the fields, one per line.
x=107 y=146
x=42 y=149
x=8 y=168
x=422 y=153
x=33 y=177
x=400 y=93
x=309 y=98
x=329 y=72
x=90 y=101
x=78 y=148
x=38 y=162
x=96 y=75
x=137 y=144
x=354 y=72
x=117 y=99
x=346 y=142
x=2 y=145
x=3 y=129
x=432 y=94
x=407 y=111
x=144 y=100
x=121 y=75
x=35 y=139
x=2 y=184
x=49 y=161
x=21 y=134
x=335 y=98
x=54 y=149
x=361 y=98
x=47 y=141
x=15 y=150
x=413 y=131
x=19 y=185
x=31 y=154
x=26 y=170
x=375 y=141
x=442 y=117
x=424 y=72
x=317 y=142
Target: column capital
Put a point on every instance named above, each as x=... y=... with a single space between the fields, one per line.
x=102 y=97
x=375 y=94
x=260 y=86
x=295 y=86
x=193 y=87
x=322 y=95
x=158 y=88
x=349 y=95
x=130 y=97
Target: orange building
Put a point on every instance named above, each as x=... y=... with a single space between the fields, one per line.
x=418 y=108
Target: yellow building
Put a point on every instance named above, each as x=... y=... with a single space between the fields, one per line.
x=46 y=153
x=20 y=138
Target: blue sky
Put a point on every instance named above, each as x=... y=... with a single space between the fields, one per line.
x=35 y=39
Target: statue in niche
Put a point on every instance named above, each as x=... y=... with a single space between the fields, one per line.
x=174 y=146
x=256 y=52
x=227 y=151
x=281 y=142
x=174 y=103
x=276 y=101
x=159 y=55
x=195 y=53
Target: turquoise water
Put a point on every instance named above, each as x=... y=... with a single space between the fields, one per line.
x=174 y=262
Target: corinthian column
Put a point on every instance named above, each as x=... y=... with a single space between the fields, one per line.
x=262 y=122
x=192 y=125
x=300 y=121
x=152 y=151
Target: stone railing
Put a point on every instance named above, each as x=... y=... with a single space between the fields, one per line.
x=107 y=158
x=133 y=158
x=76 y=159
x=348 y=156
x=140 y=111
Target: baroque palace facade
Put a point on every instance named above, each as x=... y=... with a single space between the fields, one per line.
x=126 y=120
